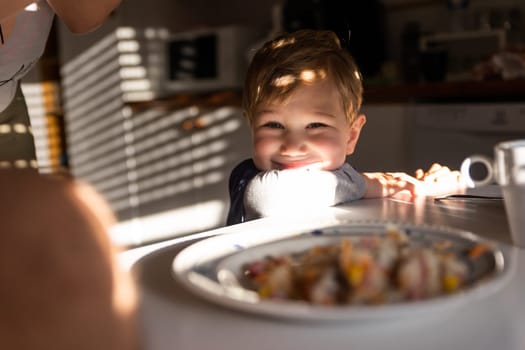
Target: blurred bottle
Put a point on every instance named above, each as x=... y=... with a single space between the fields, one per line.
x=515 y=29
x=410 y=55
x=458 y=15
x=434 y=64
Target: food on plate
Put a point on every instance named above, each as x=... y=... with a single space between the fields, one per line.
x=373 y=269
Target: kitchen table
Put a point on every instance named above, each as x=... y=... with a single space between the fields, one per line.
x=174 y=318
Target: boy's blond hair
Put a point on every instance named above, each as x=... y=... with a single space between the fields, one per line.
x=301 y=57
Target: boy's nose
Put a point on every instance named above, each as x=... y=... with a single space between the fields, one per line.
x=293 y=145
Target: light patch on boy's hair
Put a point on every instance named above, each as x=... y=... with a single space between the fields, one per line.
x=283 y=81
x=309 y=75
x=282 y=42
x=357 y=75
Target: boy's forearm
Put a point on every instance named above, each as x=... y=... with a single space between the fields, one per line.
x=275 y=191
x=389 y=184
x=374 y=189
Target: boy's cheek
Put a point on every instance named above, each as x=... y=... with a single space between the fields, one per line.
x=261 y=155
x=264 y=146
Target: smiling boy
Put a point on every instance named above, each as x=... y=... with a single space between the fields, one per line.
x=302 y=97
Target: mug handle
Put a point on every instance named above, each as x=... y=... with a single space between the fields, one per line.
x=465 y=170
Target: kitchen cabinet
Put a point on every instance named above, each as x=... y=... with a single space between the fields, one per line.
x=150 y=156
x=186 y=159
x=167 y=159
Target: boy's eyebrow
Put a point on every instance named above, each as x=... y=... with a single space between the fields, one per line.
x=325 y=114
x=322 y=113
x=313 y=113
x=265 y=111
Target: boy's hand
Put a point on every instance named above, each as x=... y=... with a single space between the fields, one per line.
x=440 y=180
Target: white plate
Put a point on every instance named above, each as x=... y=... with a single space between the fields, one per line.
x=212 y=269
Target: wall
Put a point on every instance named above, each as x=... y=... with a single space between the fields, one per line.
x=383 y=141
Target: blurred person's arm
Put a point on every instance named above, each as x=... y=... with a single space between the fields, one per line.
x=82 y=16
x=11 y=7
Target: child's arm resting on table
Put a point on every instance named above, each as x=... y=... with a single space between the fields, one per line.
x=299 y=190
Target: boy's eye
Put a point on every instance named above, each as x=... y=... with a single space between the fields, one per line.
x=316 y=125
x=273 y=125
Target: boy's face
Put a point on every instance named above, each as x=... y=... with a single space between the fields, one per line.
x=309 y=130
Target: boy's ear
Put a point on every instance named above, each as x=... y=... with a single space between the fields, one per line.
x=355 y=131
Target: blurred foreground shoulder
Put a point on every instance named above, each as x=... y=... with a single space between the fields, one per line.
x=62 y=287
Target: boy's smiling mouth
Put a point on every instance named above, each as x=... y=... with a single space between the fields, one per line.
x=296 y=164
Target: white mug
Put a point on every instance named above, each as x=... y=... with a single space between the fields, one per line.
x=507 y=168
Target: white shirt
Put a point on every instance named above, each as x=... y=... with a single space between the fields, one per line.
x=276 y=192
x=23 y=47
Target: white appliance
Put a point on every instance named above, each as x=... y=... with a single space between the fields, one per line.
x=447 y=133
x=207 y=59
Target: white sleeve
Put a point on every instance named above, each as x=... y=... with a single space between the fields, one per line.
x=284 y=191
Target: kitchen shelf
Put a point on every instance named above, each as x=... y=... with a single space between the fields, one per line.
x=212 y=99
x=461 y=91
